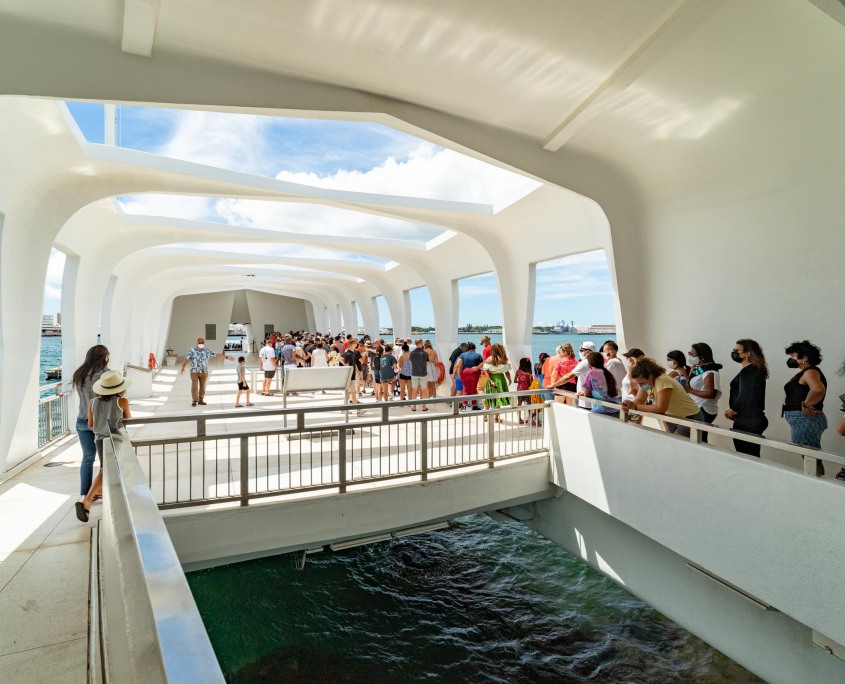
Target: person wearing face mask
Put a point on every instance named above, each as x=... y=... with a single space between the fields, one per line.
x=629 y=386
x=748 y=394
x=610 y=351
x=667 y=396
x=676 y=363
x=803 y=406
x=198 y=356
x=579 y=372
x=704 y=386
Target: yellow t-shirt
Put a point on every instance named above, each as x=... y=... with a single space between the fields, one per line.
x=681 y=404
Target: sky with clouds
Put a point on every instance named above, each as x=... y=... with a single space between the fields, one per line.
x=356 y=156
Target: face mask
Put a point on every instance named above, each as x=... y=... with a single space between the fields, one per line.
x=792 y=363
x=693 y=359
x=584 y=354
x=735 y=356
x=645 y=388
x=200 y=346
x=671 y=364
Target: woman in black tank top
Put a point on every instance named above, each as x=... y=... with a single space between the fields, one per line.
x=804 y=396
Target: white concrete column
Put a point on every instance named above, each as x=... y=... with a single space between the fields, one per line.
x=72 y=344
x=350 y=319
x=106 y=311
x=403 y=326
x=369 y=314
x=516 y=282
x=310 y=315
x=444 y=301
x=24 y=255
x=335 y=316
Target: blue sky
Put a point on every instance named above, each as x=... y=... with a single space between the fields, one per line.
x=360 y=156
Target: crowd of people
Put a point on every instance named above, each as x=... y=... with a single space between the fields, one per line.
x=688 y=387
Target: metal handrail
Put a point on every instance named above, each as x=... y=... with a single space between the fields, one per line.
x=697 y=428
x=48 y=431
x=233 y=467
x=324 y=408
x=155 y=632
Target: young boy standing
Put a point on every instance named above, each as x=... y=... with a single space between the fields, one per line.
x=242 y=386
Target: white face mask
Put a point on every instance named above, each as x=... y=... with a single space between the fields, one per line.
x=671 y=363
x=693 y=359
x=584 y=354
x=200 y=346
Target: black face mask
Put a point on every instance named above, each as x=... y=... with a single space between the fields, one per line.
x=792 y=363
x=735 y=356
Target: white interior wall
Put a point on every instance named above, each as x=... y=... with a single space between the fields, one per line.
x=189 y=316
x=284 y=313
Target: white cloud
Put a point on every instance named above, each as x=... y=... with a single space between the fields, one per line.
x=237 y=142
x=430 y=172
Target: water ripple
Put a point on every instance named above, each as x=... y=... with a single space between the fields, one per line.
x=481 y=602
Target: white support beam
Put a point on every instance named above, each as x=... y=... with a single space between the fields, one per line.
x=688 y=16
x=139 y=26
x=832 y=8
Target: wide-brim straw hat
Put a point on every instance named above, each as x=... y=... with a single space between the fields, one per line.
x=111 y=382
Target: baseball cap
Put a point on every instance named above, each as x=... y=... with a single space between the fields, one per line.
x=588 y=346
x=638 y=353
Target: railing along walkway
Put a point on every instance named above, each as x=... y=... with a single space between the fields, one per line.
x=811 y=457
x=315 y=453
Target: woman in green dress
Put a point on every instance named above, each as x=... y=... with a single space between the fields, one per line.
x=496 y=375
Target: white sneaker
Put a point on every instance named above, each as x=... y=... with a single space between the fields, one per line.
x=360 y=412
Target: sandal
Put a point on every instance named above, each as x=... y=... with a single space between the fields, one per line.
x=425 y=408
x=841 y=474
x=81 y=512
x=239 y=405
x=249 y=403
x=413 y=408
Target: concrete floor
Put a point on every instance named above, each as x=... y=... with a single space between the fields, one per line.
x=44 y=565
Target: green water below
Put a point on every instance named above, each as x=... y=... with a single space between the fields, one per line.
x=479 y=602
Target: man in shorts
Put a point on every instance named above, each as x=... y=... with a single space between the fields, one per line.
x=419 y=374
x=242 y=384
x=352 y=357
x=267 y=357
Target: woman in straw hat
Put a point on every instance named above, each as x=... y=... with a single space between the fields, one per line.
x=106 y=413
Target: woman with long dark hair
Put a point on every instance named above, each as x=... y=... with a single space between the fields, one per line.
x=599 y=383
x=95 y=364
x=748 y=394
x=803 y=405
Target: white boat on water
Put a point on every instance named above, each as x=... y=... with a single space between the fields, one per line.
x=698 y=144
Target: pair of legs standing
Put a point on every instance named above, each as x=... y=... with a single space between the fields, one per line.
x=242 y=387
x=419 y=389
x=198 y=381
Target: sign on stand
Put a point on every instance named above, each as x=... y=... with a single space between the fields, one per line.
x=315 y=379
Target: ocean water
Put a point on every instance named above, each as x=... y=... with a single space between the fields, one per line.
x=51 y=355
x=479 y=602
x=543 y=343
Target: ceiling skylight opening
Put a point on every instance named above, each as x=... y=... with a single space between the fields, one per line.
x=354 y=156
x=291 y=218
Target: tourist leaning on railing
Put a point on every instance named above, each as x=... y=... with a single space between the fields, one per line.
x=599 y=383
x=667 y=395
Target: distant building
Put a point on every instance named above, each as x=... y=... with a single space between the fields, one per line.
x=47 y=321
x=59 y=318
x=601 y=330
